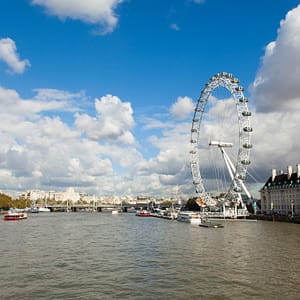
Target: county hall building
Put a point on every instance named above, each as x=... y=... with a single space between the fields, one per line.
x=281 y=192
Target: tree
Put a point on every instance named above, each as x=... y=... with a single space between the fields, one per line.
x=5 y=201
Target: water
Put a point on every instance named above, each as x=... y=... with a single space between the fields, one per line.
x=101 y=256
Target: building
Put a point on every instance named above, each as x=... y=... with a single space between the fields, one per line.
x=34 y=195
x=281 y=192
x=68 y=195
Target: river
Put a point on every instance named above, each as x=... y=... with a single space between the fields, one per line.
x=103 y=256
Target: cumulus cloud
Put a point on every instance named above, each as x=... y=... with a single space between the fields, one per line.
x=40 y=150
x=276 y=92
x=95 y=154
x=170 y=166
x=96 y=12
x=45 y=100
x=275 y=141
x=113 y=122
x=9 y=55
x=182 y=108
x=276 y=86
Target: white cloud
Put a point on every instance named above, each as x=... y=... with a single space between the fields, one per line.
x=171 y=165
x=276 y=86
x=39 y=150
x=45 y=100
x=275 y=142
x=182 y=108
x=97 y=154
x=113 y=122
x=276 y=92
x=9 y=54
x=97 y=12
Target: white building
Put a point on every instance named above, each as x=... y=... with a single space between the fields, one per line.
x=281 y=192
x=34 y=195
x=68 y=195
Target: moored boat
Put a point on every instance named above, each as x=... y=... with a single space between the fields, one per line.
x=143 y=213
x=211 y=225
x=37 y=209
x=189 y=217
x=44 y=209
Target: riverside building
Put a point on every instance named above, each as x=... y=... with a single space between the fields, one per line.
x=281 y=192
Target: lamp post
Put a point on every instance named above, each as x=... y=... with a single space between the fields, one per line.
x=272 y=209
x=254 y=207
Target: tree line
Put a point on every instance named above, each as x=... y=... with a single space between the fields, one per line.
x=7 y=202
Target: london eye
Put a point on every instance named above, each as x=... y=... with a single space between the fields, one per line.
x=220 y=143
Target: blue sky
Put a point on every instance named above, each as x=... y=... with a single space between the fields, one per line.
x=99 y=94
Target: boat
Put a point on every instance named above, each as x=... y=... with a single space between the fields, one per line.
x=114 y=212
x=165 y=214
x=44 y=209
x=37 y=209
x=189 y=217
x=211 y=225
x=13 y=215
x=143 y=213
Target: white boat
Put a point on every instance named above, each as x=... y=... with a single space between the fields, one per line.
x=114 y=212
x=189 y=217
x=44 y=209
x=37 y=209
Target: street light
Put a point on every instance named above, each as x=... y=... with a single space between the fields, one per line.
x=254 y=207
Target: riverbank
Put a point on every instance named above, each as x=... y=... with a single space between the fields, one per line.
x=276 y=218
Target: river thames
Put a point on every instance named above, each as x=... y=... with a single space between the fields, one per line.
x=104 y=256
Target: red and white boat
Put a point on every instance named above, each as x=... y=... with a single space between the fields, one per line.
x=15 y=215
x=143 y=213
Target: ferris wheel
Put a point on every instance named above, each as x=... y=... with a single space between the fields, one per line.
x=236 y=162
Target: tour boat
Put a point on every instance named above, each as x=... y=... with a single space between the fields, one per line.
x=15 y=216
x=114 y=212
x=189 y=217
x=143 y=213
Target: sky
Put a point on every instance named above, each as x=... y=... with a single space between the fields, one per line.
x=99 y=94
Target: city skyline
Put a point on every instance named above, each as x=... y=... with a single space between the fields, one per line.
x=100 y=96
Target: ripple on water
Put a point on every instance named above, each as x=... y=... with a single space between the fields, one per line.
x=100 y=256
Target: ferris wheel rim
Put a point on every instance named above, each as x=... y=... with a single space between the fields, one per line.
x=231 y=84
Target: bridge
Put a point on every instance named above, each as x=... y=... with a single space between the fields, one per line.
x=96 y=207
